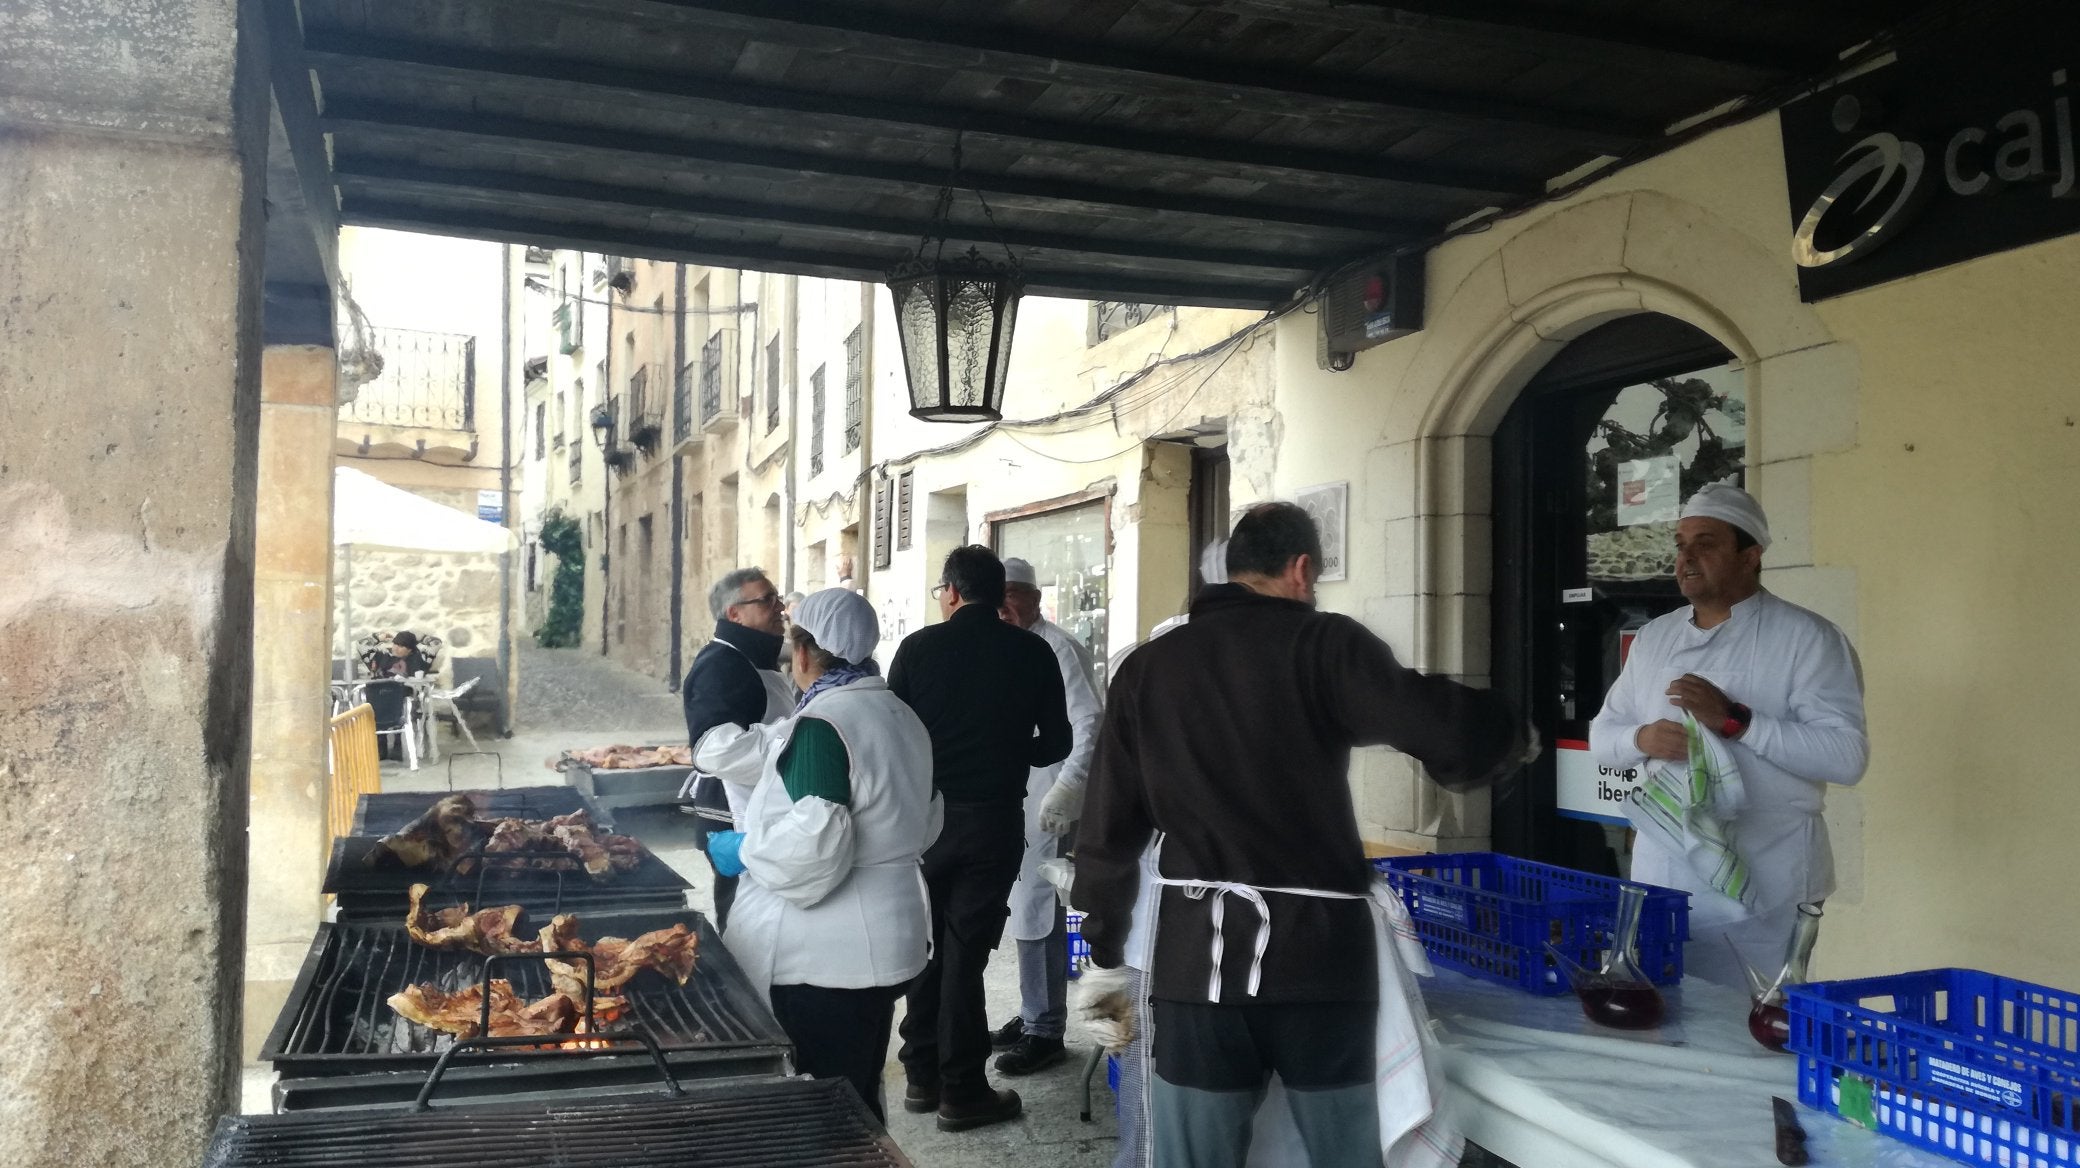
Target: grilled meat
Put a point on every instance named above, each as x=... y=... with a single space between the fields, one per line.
x=489 y=931
x=615 y=961
x=449 y=829
x=461 y=1013
x=449 y=832
x=621 y=758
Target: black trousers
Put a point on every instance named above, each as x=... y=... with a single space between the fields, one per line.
x=969 y=873
x=840 y=1034
x=725 y=894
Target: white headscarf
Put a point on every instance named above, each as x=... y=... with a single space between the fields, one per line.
x=842 y=622
x=1731 y=505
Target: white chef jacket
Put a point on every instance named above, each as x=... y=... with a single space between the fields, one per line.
x=833 y=895
x=780 y=699
x=1799 y=675
x=1033 y=898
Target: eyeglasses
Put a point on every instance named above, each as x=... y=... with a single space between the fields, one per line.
x=768 y=598
x=939 y=590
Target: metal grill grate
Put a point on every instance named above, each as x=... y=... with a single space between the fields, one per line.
x=338 y=1018
x=379 y=814
x=781 y=1123
x=379 y=893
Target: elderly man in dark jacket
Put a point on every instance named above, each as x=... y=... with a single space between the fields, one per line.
x=734 y=680
x=1232 y=736
x=991 y=695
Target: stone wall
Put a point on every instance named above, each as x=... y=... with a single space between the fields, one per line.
x=453 y=597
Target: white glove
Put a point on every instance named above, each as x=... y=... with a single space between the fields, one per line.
x=1060 y=872
x=1060 y=807
x=1106 y=1007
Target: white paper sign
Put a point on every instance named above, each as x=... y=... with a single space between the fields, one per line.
x=1587 y=789
x=1650 y=490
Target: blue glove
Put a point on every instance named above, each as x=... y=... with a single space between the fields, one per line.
x=722 y=852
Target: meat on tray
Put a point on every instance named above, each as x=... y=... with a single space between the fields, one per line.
x=489 y=931
x=449 y=833
x=670 y=952
x=623 y=758
x=461 y=1013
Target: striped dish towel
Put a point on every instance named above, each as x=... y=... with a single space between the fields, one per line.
x=1689 y=808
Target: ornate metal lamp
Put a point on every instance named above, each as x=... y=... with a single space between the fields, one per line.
x=954 y=319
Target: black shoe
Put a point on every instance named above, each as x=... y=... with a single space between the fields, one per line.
x=1006 y=1036
x=920 y=1099
x=1032 y=1053
x=996 y=1107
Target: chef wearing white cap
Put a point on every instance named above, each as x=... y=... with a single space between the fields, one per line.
x=831 y=917
x=1054 y=799
x=1779 y=684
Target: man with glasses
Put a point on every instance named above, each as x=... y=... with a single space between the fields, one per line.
x=735 y=679
x=990 y=694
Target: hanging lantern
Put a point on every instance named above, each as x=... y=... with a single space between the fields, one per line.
x=954 y=319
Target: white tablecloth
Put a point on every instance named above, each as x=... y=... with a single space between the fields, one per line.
x=1543 y=1087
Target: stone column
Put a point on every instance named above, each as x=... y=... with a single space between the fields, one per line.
x=292 y=604
x=131 y=143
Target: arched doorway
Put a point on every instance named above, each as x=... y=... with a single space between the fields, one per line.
x=1591 y=463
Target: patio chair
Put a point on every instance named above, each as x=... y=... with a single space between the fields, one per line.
x=395 y=717
x=439 y=698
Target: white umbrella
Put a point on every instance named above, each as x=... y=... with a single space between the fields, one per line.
x=370 y=513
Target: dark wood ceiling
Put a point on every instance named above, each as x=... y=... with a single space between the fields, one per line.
x=1179 y=151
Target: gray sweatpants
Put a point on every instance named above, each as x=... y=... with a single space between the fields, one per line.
x=1043 y=981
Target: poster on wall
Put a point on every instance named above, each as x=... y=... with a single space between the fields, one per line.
x=1330 y=506
x=1650 y=490
x=1585 y=788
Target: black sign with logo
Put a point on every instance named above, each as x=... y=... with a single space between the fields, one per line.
x=1963 y=147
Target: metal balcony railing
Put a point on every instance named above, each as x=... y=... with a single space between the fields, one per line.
x=682 y=403
x=711 y=379
x=429 y=381
x=645 y=408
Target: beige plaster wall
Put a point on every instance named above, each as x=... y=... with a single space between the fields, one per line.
x=1913 y=446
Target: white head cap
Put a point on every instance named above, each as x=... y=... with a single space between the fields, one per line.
x=842 y=622
x=1731 y=505
x=1017 y=571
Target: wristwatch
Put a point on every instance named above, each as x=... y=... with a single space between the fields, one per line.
x=1737 y=718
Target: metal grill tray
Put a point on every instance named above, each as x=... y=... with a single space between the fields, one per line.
x=388 y=811
x=338 y=1019
x=767 y=1123
x=382 y=892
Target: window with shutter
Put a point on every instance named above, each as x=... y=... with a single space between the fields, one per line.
x=541 y=430
x=816 y=421
x=855 y=388
x=884 y=524
x=903 y=510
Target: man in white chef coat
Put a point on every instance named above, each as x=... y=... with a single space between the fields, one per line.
x=1780 y=685
x=1054 y=798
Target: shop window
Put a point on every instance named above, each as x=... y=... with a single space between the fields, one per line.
x=1069 y=551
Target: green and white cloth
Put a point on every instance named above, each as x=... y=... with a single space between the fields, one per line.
x=1690 y=808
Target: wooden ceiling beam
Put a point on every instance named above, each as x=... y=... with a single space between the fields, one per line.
x=392 y=123
x=1042 y=58
x=376 y=178
x=1548 y=32
x=331 y=49
x=836 y=265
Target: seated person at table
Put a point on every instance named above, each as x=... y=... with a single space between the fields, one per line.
x=400 y=658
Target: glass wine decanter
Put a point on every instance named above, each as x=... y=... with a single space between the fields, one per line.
x=1617 y=995
x=1768 y=1020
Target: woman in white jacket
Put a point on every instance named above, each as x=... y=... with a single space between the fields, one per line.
x=831 y=919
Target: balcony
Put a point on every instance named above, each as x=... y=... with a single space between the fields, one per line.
x=645 y=409
x=422 y=405
x=682 y=402
x=617 y=451
x=719 y=382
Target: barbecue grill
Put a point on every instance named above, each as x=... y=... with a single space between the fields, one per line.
x=338 y=1043
x=763 y=1122
x=382 y=813
x=382 y=891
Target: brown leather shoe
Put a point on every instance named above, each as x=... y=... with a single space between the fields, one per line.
x=996 y=1107
x=918 y=1098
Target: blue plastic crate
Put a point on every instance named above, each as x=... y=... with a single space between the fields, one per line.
x=1491 y=916
x=1079 y=949
x=1979 y=1068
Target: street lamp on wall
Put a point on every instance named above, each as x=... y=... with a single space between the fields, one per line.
x=603 y=424
x=954 y=320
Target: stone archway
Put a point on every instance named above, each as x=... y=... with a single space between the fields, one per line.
x=1509 y=313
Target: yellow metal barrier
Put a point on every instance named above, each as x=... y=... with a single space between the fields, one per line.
x=356 y=770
